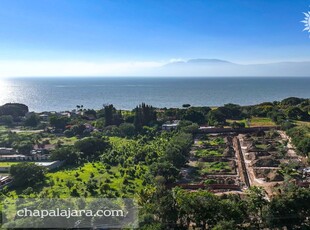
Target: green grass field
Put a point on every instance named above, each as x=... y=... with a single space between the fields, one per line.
x=261 y=146
x=255 y=122
x=261 y=121
x=213 y=167
x=212 y=141
x=94 y=178
x=63 y=140
x=8 y=164
x=209 y=153
x=127 y=113
x=303 y=123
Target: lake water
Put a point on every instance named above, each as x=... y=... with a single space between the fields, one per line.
x=58 y=94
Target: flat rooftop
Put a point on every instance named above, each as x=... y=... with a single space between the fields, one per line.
x=12 y=156
x=46 y=164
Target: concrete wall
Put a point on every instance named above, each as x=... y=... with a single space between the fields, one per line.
x=4 y=169
x=210 y=186
x=237 y=130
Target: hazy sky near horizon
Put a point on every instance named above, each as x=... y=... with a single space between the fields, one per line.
x=117 y=37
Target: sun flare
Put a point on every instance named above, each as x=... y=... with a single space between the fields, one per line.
x=306 y=21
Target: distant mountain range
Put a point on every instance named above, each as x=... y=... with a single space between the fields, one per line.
x=218 y=67
x=201 y=61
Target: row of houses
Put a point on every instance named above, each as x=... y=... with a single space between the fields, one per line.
x=7 y=151
x=37 y=151
x=44 y=116
x=20 y=157
x=49 y=165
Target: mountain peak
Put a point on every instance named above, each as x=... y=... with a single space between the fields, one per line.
x=206 y=60
x=200 y=62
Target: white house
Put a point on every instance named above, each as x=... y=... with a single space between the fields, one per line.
x=170 y=126
x=50 y=165
x=7 y=151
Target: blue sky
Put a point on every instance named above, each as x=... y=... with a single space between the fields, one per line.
x=149 y=33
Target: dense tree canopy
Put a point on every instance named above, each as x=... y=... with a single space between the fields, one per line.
x=66 y=153
x=92 y=147
x=144 y=115
x=292 y=101
x=296 y=113
x=23 y=147
x=32 y=120
x=290 y=210
x=59 y=122
x=194 y=116
x=6 y=120
x=27 y=174
x=14 y=109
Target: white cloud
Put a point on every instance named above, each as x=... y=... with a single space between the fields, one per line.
x=73 y=68
x=172 y=60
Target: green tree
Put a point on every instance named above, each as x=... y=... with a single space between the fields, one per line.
x=32 y=121
x=290 y=210
x=59 y=122
x=14 y=109
x=78 y=129
x=296 y=113
x=194 y=116
x=163 y=207
x=108 y=114
x=174 y=155
x=256 y=201
x=215 y=117
x=232 y=111
x=144 y=115
x=186 y=105
x=23 y=147
x=127 y=130
x=6 y=120
x=292 y=101
x=178 y=148
x=200 y=207
x=90 y=112
x=225 y=225
x=66 y=153
x=27 y=174
x=111 y=131
x=304 y=146
x=165 y=169
x=68 y=133
x=92 y=147
x=118 y=118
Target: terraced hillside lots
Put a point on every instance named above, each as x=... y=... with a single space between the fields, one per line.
x=212 y=162
x=267 y=156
